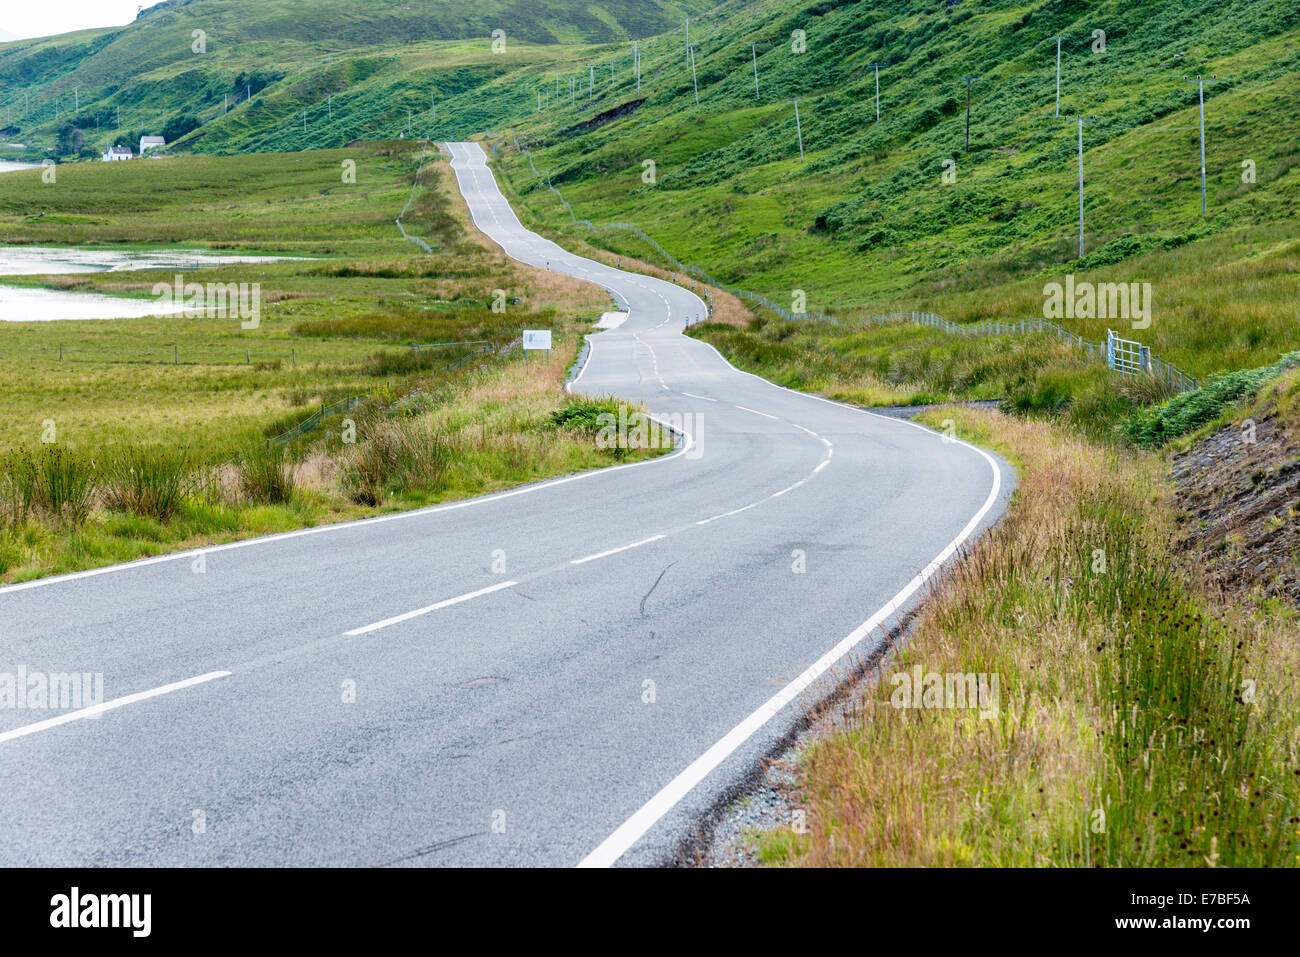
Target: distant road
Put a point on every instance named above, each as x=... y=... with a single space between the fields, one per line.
x=572 y=672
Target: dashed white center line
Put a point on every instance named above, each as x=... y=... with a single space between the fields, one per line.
x=94 y=711
x=704 y=397
x=398 y=619
x=615 y=551
x=743 y=408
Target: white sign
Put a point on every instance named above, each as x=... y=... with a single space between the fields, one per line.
x=537 y=339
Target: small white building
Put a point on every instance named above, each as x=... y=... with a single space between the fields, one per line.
x=117 y=154
x=148 y=143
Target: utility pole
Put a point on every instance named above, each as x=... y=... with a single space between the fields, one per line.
x=573 y=94
x=693 y=81
x=330 y=103
x=753 y=52
x=968 y=80
x=76 y=99
x=688 y=37
x=1058 y=73
x=591 y=81
x=636 y=56
x=1080 y=120
x=1200 y=87
x=876 y=67
x=798 y=129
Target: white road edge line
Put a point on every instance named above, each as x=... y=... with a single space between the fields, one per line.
x=398 y=619
x=615 y=551
x=95 y=711
x=635 y=827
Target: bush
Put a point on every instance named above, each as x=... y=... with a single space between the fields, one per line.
x=1188 y=410
x=583 y=415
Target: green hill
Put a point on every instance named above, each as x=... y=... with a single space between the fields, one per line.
x=114 y=83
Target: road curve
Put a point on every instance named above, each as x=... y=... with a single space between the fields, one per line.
x=569 y=673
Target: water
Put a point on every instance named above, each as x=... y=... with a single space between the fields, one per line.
x=8 y=167
x=18 y=304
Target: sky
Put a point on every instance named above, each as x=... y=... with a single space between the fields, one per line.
x=48 y=17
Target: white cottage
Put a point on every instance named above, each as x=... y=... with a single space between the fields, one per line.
x=148 y=143
x=117 y=154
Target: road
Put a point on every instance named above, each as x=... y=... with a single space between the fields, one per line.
x=569 y=673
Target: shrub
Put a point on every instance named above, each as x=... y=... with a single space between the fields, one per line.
x=1188 y=410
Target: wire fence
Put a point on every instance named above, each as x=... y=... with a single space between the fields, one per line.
x=314 y=420
x=1126 y=357
x=164 y=355
x=480 y=348
x=1122 y=355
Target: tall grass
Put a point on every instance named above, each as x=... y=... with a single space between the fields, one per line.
x=394 y=454
x=55 y=482
x=1140 y=723
x=266 y=473
x=150 y=482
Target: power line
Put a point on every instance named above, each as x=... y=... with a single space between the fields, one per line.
x=876 y=67
x=968 y=80
x=1200 y=88
x=1080 y=120
x=1058 y=73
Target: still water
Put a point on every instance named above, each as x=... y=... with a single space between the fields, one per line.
x=18 y=304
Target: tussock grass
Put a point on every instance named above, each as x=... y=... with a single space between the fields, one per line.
x=1141 y=723
x=149 y=482
x=266 y=473
x=53 y=484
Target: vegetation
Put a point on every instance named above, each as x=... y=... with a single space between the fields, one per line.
x=1185 y=412
x=1139 y=722
x=132 y=437
x=255 y=67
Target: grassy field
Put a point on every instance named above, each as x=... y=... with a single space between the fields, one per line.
x=1141 y=720
x=151 y=434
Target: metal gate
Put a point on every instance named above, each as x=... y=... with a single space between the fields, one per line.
x=1125 y=355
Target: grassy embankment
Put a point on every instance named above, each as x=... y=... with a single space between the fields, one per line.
x=1142 y=720
x=149 y=456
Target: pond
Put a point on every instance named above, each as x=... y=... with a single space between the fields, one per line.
x=21 y=304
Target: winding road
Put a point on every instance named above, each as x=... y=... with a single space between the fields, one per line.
x=573 y=672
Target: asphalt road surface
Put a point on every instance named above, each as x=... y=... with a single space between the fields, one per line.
x=568 y=673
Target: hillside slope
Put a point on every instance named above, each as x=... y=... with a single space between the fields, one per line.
x=116 y=81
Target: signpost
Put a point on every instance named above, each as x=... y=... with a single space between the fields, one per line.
x=537 y=340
